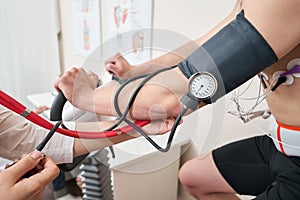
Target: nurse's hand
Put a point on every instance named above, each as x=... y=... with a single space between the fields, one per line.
x=14 y=186
x=156 y=127
x=41 y=109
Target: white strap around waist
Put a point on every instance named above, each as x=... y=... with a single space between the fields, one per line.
x=286 y=138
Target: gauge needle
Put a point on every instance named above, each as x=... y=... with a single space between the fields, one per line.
x=200 y=88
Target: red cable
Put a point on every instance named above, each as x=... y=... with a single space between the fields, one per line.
x=18 y=108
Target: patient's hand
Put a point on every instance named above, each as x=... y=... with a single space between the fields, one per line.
x=78 y=86
x=117 y=65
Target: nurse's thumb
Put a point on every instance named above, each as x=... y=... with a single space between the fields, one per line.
x=27 y=163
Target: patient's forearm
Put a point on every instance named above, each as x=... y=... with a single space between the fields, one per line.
x=83 y=146
x=159 y=98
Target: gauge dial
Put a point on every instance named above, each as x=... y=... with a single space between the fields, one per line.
x=203 y=85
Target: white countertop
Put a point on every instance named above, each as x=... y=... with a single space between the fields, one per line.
x=139 y=150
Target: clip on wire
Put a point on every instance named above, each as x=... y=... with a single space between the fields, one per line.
x=280 y=81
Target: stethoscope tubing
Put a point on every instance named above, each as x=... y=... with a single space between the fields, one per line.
x=20 y=109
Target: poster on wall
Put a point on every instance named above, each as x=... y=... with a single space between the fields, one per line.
x=86 y=26
x=127 y=23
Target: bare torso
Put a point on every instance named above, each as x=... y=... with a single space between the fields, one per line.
x=275 y=20
x=284 y=102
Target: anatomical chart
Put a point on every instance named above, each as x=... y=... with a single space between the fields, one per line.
x=128 y=23
x=86 y=26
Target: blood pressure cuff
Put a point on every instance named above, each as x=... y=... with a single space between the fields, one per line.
x=233 y=55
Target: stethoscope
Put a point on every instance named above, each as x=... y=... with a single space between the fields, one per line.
x=202 y=86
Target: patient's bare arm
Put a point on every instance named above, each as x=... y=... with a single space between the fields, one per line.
x=152 y=102
x=156 y=99
x=160 y=97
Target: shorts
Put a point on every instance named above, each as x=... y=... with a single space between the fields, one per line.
x=255 y=167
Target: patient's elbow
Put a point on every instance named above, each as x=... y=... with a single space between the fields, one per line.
x=172 y=106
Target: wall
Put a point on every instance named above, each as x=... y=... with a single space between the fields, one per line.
x=190 y=18
x=29 y=49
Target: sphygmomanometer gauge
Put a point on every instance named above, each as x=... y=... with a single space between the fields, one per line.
x=202 y=85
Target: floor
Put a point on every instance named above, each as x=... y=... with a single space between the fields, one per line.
x=69 y=197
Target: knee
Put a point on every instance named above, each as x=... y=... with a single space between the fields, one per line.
x=186 y=175
x=188 y=178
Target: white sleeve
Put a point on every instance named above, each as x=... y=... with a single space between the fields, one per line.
x=60 y=148
x=19 y=136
